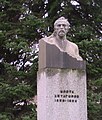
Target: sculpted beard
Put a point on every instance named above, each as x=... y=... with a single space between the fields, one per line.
x=61 y=32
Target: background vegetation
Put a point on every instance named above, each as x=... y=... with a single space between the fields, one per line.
x=22 y=24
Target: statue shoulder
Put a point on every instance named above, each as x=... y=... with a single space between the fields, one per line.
x=49 y=39
x=73 y=50
x=73 y=45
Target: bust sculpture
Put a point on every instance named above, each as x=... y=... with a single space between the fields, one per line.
x=58 y=52
x=61 y=84
x=58 y=38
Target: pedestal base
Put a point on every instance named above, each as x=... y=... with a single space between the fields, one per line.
x=61 y=94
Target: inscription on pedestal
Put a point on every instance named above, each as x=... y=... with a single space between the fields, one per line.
x=66 y=96
x=61 y=84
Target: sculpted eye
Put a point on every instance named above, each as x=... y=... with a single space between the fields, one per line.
x=64 y=25
x=58 y=25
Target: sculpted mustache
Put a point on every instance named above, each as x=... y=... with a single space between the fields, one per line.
x=61 y=30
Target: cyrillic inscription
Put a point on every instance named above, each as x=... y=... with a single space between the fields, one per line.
x=66 y=96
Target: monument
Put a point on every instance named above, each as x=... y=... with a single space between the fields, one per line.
x=61 y=82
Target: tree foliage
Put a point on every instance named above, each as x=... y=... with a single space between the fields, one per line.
x=22 y=24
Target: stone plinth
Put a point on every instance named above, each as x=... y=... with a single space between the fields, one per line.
x=61 y=94
x=50 y=56
x=61 y=83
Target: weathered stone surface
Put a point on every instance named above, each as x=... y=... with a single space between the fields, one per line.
x=61 y=94
x=50 y=56
x=61 y=83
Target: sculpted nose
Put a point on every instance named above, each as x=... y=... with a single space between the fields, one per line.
x=61 y=26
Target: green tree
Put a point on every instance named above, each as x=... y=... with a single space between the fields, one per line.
x=19 y=31
x=22 y=24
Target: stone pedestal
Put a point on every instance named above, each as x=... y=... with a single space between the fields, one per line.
x=62 y=94
x=61 y=85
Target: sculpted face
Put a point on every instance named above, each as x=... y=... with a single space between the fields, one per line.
x=61 y=27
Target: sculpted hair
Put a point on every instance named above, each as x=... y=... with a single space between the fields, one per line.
x=62 y=19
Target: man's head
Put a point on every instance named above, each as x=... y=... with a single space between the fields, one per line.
x=61 y=27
